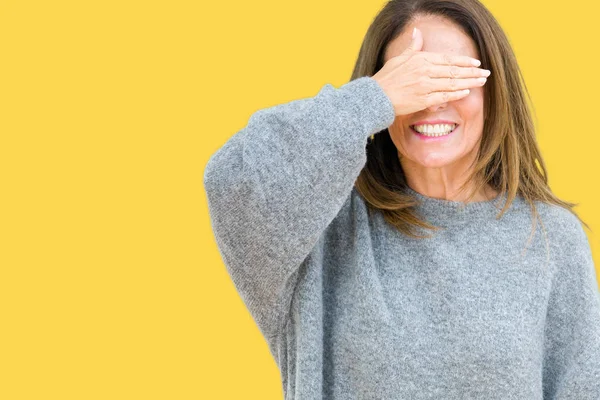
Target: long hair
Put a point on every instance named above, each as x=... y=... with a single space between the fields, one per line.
x=508 y=158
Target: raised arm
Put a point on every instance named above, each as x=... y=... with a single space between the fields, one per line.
x=275 y=186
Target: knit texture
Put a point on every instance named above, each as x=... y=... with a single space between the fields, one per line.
x=351 y=308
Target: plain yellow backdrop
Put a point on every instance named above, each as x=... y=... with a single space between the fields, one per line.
x=111 y=284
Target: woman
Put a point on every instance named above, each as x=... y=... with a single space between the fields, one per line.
x=316 y=206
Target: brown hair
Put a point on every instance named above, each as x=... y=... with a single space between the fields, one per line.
x=508 y=157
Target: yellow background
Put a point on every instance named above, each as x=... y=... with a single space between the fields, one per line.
x=111 y=285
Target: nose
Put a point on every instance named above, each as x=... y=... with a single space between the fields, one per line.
x=436 y=107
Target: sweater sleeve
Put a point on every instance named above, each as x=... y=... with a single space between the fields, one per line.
x=276 y=184
x=571 y=368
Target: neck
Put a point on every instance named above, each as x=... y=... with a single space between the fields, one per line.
x=444 y=182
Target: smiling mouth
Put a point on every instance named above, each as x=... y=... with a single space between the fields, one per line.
x=433 y=133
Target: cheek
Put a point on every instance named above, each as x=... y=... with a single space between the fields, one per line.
x=471 y=110
x=398 y=128
x=473 y=103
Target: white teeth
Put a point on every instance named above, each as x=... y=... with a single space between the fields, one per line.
x=435 y=130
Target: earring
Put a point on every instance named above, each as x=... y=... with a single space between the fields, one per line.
x=372 y=137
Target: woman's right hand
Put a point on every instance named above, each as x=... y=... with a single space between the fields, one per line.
x=417 y=79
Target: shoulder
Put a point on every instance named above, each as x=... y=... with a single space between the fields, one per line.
x=567 y=238
x=560 y=221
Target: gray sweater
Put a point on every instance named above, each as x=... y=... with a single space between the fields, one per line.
x=353 y=309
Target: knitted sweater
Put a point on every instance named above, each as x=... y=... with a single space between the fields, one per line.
x=351 y=308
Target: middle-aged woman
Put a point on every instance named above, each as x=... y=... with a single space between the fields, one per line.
x=320 y=207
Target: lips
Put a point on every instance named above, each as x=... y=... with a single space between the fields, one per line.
x=412 y=127
x=435 y=122
x=431 y=138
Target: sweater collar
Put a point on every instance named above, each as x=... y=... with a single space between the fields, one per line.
x=448 y=211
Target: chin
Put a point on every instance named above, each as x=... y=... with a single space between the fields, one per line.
x=434 y=160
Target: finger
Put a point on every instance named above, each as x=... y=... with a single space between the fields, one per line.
x=453 y=71
x=452 y=84
x=450 y=59
x=435 y=98
x=416 y=43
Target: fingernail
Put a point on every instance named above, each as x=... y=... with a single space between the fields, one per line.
x=476 y=63
x=414 y=33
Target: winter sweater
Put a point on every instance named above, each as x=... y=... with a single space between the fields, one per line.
x=351 y=308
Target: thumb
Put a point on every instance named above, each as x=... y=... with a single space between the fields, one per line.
x=417 y=41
